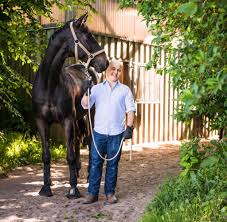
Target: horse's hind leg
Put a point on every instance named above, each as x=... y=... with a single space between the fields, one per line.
x=71 y=158
x=77 y=141
x=43 y=128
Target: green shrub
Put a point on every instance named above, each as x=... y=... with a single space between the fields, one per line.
x=199 y=192
x=17 y=150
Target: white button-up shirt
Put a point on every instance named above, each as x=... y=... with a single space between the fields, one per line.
x=111 y=106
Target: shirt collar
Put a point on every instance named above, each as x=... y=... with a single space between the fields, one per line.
x=117 y=83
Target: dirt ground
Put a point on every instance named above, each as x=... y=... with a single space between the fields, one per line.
x=138 y=181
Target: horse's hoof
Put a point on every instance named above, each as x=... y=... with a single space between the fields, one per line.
x=74 y=193
x=45 y=191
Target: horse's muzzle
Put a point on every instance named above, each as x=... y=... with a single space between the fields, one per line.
x=101 y=66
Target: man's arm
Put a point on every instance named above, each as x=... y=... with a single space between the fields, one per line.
x=84 y=101
x=130 y=118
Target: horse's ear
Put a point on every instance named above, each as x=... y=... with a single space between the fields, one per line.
x=82 y=20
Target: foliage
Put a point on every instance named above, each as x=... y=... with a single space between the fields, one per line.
x=193 y=35
x=199 y=193
x=17 y=150
x=195 y=155
x=12 y=123
x=22 y=42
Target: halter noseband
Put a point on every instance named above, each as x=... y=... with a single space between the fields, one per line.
x=77 y=42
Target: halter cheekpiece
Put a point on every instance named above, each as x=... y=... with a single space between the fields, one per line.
x=89 y=54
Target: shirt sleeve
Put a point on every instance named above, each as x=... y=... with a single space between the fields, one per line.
x=91 y=101
x=129 y=102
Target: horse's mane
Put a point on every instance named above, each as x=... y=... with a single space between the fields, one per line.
x=52 y=48
x=58 y=30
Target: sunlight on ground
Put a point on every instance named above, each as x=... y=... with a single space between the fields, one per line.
x=33 y=194
x=82 y=185
x=47 y=204
x=151 y=145
x=3 y=200
x=57 y=173
x=33 y=183
x=16 y=218
x=10 y=206
x=57 y=184
x=15 y=176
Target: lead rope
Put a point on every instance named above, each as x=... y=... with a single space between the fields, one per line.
x=89 y=117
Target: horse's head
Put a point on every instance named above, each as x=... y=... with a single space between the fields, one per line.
x=84 y=46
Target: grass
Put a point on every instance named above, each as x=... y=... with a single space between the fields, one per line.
x=18 y=150
x=199 y=193
x=100 y=215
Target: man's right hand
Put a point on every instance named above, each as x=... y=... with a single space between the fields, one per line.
x=87 y=84
x=128 y=132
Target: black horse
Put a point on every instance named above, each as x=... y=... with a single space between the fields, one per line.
x=57 y=92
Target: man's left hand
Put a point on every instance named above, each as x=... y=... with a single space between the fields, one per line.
x=128 y=132
x=87 y=84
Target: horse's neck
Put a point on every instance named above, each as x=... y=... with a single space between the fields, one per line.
x=52 y=64
x=56 y=68
x=54 y=46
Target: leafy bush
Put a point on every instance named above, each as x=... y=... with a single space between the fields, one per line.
x=23 y=41
x=17 y=150
x=192 y=34
x=199 y=193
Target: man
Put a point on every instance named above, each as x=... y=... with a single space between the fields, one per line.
x=113 y=101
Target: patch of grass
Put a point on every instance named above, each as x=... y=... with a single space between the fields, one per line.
x=199 y=193
x=100 y=215
x=18 y=150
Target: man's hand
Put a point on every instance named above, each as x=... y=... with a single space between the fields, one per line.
x=128 y=132
x=87 y=84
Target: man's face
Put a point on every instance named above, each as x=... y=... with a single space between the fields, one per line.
x=113 y=71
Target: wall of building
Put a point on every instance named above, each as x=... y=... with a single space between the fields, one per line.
x=110 y=20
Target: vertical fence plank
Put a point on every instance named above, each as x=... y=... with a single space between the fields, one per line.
x=161 y=102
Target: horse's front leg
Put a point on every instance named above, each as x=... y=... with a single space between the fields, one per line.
x=71 y=158
x=43 y=128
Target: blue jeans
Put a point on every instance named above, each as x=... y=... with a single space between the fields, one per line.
x=107 y=146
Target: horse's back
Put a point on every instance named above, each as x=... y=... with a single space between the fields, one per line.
x=78 y=71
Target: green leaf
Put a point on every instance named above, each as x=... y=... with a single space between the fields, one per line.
x=225 y=154
x=202 y=68
x=209 y=161
x=188 y=9
x=194 y=160
x=224 y=195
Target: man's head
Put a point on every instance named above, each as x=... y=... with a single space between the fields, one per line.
x=114 y=70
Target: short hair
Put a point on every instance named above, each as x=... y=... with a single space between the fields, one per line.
x=118 y=61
